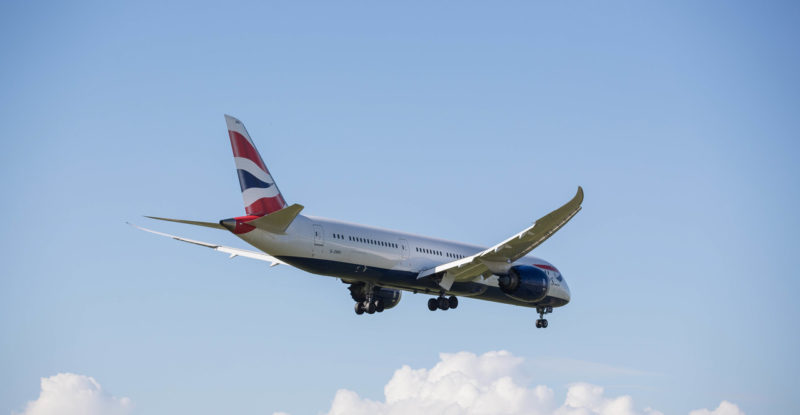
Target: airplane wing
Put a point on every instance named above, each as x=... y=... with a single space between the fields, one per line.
x=498 y=257
x=234 y=252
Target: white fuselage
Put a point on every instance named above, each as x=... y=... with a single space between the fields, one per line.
x=387 y=258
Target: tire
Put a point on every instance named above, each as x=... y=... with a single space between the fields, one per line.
x=453 y=301
x=370 y=309
x=379 y=307
x=544 y=324
x=444 y=304
x=433 y=304
x=538 y=323
x=359 y=309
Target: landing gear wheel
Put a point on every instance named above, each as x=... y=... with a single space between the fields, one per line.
x=444 y=303
x=542 y=322
x=453 y=301
x=433 y=304
x=379 y=307
x=359 y=309
x=370 y=307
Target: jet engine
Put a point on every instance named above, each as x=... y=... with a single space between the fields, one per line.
x=389 y=296
x=524 y=283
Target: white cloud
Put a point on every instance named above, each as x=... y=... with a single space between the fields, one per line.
x=71 y=394
x=467 y=384
x=724 y=408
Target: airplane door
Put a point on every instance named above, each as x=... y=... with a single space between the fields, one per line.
x=319 y=241
x=404 y=248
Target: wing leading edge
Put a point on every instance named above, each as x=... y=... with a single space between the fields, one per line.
x=498 y=258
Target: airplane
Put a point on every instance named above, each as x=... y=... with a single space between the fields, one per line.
x=378 y=264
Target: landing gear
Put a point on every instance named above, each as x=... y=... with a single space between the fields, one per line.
x=541 y=323
x=369 y=307
x=442 y=303
x=433 y=304
x=453 y=301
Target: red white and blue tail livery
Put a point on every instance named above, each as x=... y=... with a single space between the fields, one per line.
x=259 y=191
x=378 y=264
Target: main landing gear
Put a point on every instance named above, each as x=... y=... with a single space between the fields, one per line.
x=443 y=303
x=366 y=300
x=541 y=323
x=369 y=306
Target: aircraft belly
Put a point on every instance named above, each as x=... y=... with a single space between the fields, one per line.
x=406 y=280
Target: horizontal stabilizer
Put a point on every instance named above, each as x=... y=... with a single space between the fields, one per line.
x=277 y=222
x=190 y=222
x=233 y=252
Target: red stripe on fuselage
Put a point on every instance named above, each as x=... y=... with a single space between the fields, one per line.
x=243 y=148
x=547 y=267
x=242 y=227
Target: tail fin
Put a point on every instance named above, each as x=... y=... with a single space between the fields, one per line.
x=259 y=191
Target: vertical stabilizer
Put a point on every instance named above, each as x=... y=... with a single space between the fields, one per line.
x=259 y=191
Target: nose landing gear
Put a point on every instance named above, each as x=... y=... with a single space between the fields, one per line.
x=443 y=303
x=541 y=323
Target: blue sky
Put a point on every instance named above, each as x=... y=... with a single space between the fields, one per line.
x=465 y=121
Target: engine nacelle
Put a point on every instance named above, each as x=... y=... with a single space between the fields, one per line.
x=524 y=283
x=389 y=296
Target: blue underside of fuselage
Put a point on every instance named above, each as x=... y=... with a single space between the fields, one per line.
x=408 y=281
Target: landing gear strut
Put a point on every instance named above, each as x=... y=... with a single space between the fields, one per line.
x=541 y=323
x=442 y=303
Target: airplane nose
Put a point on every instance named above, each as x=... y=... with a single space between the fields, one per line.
x=564 y=293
